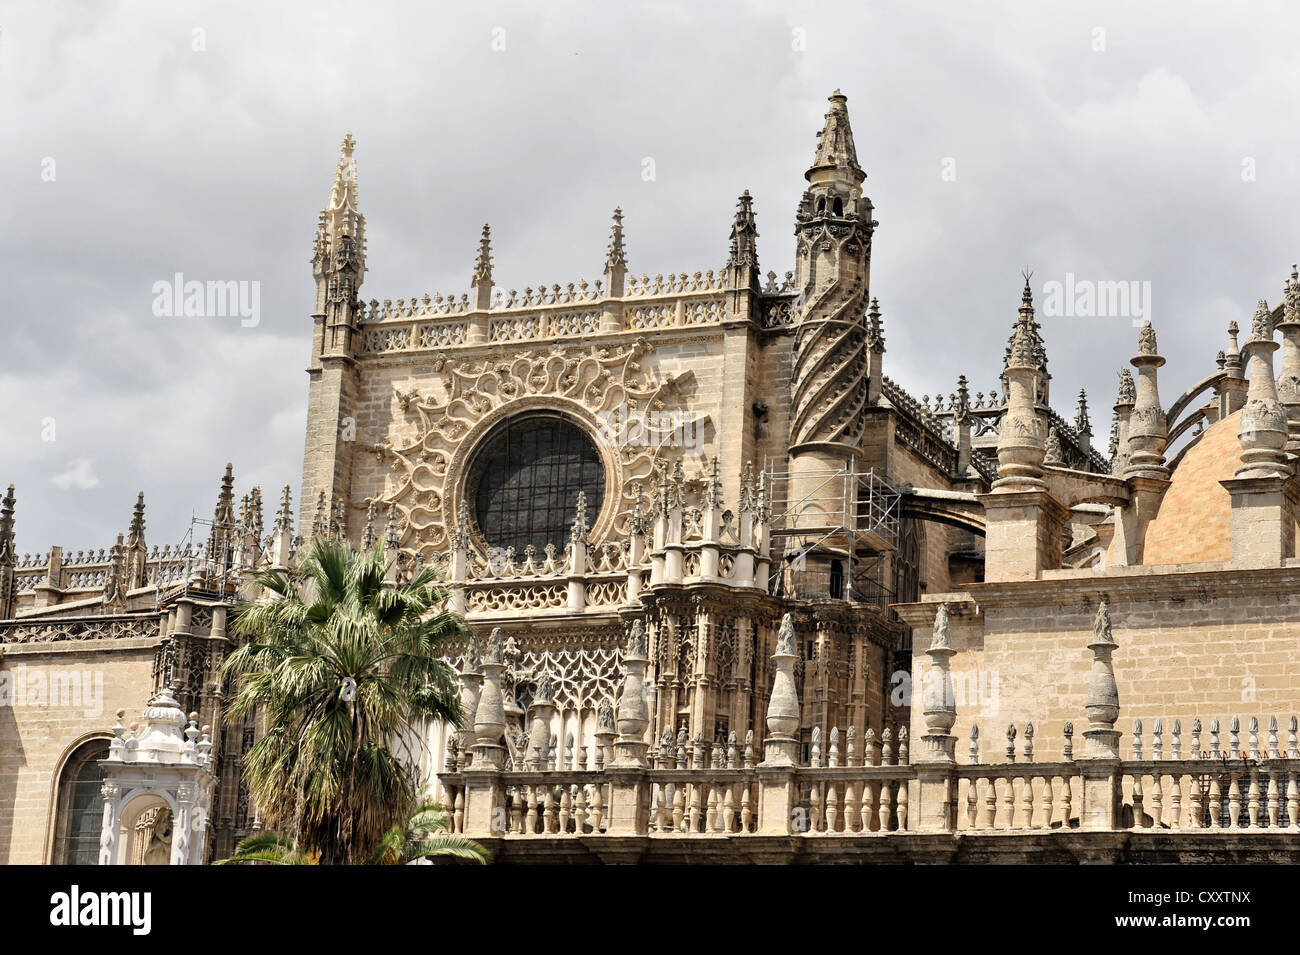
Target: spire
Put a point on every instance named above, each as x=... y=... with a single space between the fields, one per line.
x=284 y=518
x=1022 y=438
x=1148 y=433
x=136 y=555
x=1082 y=424
x=835 y=150
x=1028 y=331
x=744 y=235
x=1263 y=431
x=282 y=542
x=875 y=327
x=8 y=558
x=339 y=259
x=343 y=217
x=255 y=524
x=482 y=281
x=135 y=534
x=223 y=518
x=7 y=527
x=615 y=257
x=1124 y=398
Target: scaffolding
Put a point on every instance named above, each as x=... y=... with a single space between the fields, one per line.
x=846 y=519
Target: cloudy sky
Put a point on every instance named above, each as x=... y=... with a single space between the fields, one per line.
x=143 y=140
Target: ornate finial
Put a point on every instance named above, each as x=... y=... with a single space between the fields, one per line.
x=835 y=142
x=578 y=532
x=941 y=639
x=368 y=532
x=473 y=654
x=1127 y=394
x=7 y=554
x=616 y=256
x=1025 y=349
x=460 y=537
x=135 y=536
x=1101 y=633
x=1082 y=424
x=545 y=688
x=483 y=264
x=875 y=327
x=744 y=235
x=785 y=636
x=713 y=488
x=1291 y=299
x=636 y=642
x=496 y=649
x=1147 y=339
x=284 y=518
x=1261 y=326
x=392 y=539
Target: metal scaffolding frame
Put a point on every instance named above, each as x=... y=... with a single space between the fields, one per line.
x=848 y=512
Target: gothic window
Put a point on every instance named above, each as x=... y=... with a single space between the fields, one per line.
x=838 y=206
x=525 y=478
x=80 y=807
x=907 y=565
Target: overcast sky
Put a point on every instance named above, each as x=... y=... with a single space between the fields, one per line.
x=1115 y=142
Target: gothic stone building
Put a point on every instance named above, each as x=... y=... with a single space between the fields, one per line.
x=733 y=589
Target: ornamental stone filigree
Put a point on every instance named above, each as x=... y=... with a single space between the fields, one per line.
x=634 y=414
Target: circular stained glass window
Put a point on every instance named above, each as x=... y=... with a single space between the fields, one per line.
x=524 y=481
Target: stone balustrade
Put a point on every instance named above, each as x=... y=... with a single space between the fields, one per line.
x=1242 y=784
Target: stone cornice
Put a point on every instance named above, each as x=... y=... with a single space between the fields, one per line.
x=1165 y=582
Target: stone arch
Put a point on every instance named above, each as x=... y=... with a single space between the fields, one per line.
x=132 y=849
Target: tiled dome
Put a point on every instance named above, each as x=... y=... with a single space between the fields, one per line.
x=1194 y=524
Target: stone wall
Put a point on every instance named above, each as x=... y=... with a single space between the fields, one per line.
x=1193 y=642
x=36 y=739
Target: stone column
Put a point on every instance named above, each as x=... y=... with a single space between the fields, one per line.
x=936 y=782
x=1147 y=434
x=1232 y=391
x=112 y=821
x=537 y=757
x=776 y=773
x=629 y=799
x=471 y=682
x=482 y=776
x=1023 y=522
x=1099 y=764
x=1264 y=498
x=1145 y=469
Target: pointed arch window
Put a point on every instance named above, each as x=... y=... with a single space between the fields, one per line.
x=79 y=809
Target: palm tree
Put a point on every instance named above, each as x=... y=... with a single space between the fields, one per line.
x=425 y=835
x=341 y=669
x=270 y=848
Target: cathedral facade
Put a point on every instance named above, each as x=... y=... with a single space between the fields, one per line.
x=729 y=583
